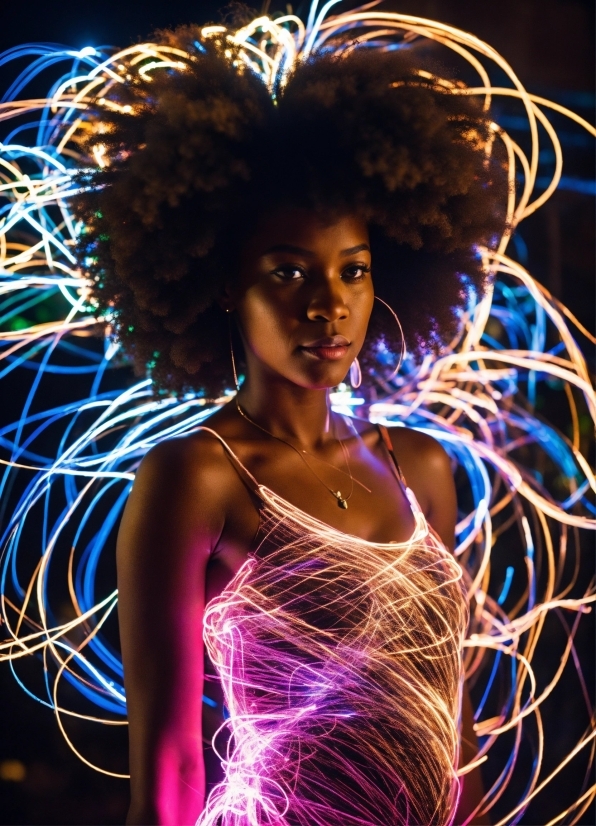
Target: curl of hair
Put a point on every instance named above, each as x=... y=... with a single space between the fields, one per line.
x=203 y=153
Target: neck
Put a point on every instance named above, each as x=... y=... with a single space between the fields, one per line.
x=287 y=411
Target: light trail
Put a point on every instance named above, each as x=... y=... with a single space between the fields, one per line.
x=366 y=635
x=529 y=488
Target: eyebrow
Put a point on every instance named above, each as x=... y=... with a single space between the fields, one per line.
x=354 y=250
x=302 y=251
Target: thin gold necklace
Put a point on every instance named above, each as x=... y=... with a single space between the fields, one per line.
x=342 y=501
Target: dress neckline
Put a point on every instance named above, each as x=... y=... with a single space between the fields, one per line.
x=269 y=497
x=273 y=500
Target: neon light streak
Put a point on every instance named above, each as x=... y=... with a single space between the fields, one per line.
x=474 y=399
x=362 y=632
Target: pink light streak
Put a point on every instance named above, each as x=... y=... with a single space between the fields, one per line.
x=472 y=398
x=341 y=666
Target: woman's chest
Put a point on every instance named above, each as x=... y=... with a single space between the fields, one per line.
x=361 y=497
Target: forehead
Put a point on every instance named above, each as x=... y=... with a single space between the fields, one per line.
x=306 y=229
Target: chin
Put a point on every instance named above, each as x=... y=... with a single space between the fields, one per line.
x=324 y=379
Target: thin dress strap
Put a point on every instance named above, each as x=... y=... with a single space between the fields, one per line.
x=244 y=473
x=389 y=445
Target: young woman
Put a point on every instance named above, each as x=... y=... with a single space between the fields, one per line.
x=302 y=301
x=265 y=213
x=242 y=234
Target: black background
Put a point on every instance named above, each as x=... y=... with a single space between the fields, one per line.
x=550 y=43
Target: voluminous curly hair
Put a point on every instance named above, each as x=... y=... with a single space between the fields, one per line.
x=198 y=156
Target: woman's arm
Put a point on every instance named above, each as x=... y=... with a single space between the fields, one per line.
x=427 y=468
x=168 y=528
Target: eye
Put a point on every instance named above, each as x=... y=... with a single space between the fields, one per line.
x=355 y=272
x=289 y=272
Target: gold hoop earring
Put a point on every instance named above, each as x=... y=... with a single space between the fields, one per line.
x=235 y=374
x=403 y=339
x=355 y=374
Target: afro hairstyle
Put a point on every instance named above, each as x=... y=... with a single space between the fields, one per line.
x=197 y=156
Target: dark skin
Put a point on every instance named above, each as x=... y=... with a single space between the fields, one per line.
x=191 y=521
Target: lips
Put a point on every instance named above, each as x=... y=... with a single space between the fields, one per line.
x=330 y=348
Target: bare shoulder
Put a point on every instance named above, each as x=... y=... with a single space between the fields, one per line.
x=181 y=488
x=197 y=458
x=412 y=447
x=191 y=458
x=418 y=454
x=427 y=468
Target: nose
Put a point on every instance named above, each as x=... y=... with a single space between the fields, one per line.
x=327 y=301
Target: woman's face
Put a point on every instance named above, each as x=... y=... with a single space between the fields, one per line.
x=304 y=296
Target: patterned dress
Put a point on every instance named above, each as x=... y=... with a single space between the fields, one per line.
x=341 y=667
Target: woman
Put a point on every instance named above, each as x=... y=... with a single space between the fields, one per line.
x=192 y=518
x=276 y=221
x=211 y=268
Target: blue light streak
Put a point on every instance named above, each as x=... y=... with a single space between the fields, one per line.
x=81 y=456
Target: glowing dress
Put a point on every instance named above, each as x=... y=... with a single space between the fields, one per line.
x=340 y=661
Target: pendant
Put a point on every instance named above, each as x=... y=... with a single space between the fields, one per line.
x=341 y=502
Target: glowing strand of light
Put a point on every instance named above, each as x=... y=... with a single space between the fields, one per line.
x=332 y=607
x=473 y=399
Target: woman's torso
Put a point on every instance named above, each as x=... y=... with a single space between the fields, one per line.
x=389 y=519
x=391 y=522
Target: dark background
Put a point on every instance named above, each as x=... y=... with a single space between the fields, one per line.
x=550 y=44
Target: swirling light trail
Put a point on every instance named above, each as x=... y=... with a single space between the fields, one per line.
x=344 y=617
x=528 y=489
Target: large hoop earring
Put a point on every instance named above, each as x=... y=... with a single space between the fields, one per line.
x=355 y=374
x=232 y=350
x=403 y=339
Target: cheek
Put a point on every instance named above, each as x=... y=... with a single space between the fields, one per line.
x=362 y=311
x=266 y=325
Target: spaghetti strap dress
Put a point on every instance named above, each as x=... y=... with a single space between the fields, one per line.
x=340 y=662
